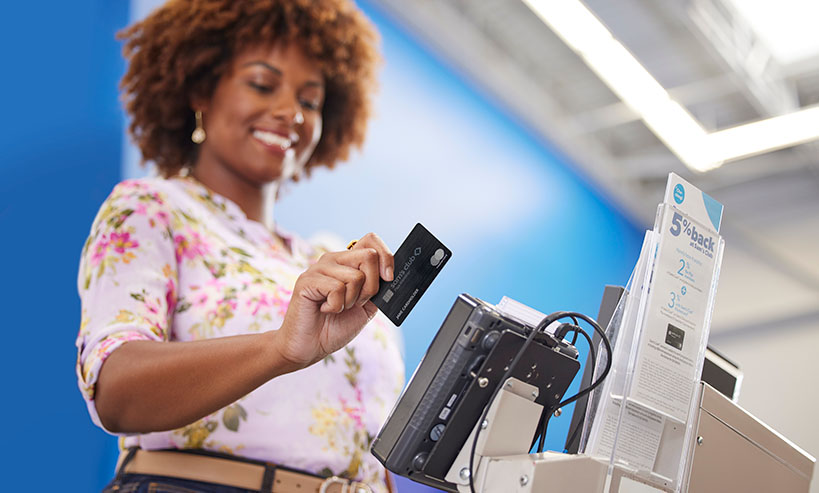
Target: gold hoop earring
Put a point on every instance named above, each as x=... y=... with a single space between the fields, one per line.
x=198 y=135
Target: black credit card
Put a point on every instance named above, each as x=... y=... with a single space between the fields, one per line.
x=418 y=261
x=674 y=337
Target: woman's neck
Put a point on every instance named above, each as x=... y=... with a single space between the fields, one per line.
x=256 y=201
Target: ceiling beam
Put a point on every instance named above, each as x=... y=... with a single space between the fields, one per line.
x=693 y=93
x=729 y=36
x=455 y=37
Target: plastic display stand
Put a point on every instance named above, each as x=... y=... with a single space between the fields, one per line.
x=641 y=422
x=641 y=419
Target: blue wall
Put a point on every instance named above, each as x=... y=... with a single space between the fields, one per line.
x=60 y=150
x=520 y=221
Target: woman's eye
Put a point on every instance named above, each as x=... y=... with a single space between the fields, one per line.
x=310 y=105
x=262 y=88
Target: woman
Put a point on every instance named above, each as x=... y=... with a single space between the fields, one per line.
x=205 y=327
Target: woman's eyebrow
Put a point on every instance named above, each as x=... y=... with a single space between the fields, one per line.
x=315 y=83
x=265 y=65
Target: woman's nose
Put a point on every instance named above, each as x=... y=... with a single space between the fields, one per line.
x=288 y=110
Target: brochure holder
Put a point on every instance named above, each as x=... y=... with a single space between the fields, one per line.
x=641 y=420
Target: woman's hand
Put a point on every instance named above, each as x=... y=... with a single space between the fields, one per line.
x=330 y=303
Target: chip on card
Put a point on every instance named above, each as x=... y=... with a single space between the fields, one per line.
x=418 y=261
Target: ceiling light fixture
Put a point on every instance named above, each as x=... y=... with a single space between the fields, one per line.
x=701 y=151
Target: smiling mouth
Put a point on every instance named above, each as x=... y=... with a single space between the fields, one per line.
x=271 y=139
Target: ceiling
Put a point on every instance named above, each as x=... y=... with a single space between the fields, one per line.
x=710 y=60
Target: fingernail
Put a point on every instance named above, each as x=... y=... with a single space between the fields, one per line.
x=388 y=276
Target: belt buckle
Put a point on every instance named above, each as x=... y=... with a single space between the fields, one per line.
x=359 y=487
x=346 y=486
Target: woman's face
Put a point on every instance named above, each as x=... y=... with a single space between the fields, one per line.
x=264 y=118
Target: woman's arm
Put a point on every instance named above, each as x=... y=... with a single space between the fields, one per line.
x=146 y=386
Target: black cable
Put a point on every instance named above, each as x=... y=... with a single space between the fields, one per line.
x=574 y=339
x=579 y=424
x=542 y=325
x=545 y=415
x=577 y=428
x=594 y=385
x=548 y=320
x=544 y=421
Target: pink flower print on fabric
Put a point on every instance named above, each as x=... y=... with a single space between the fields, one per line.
x=156 y=198
x=257 y=302
x=190 y=246
x=282 y=300
x=163 y=218
x=352 y=412
x=151 y=307
x=224 y=311
x=274 y=302
x=132 y=184
x=201 y=299
x=170 y=288
x=216 y=284
x=120 y=242
x=100 y=250
x=170 y=294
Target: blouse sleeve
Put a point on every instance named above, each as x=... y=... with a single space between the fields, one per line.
x=127 y=279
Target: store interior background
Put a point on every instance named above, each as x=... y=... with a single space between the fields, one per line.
x=491 y=132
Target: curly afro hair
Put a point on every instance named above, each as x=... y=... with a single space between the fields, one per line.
x=180 y=51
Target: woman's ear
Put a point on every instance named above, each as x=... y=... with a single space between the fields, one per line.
x=198 y=105
x=198 y=102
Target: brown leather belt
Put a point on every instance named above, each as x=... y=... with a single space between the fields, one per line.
x=233 y=472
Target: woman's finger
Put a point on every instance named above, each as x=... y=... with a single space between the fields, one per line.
x=370 y=309
x=352 y=277
x=319 y=288
x=365 y=260
x=385 y=258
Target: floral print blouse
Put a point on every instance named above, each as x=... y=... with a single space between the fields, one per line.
x=168 y=260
